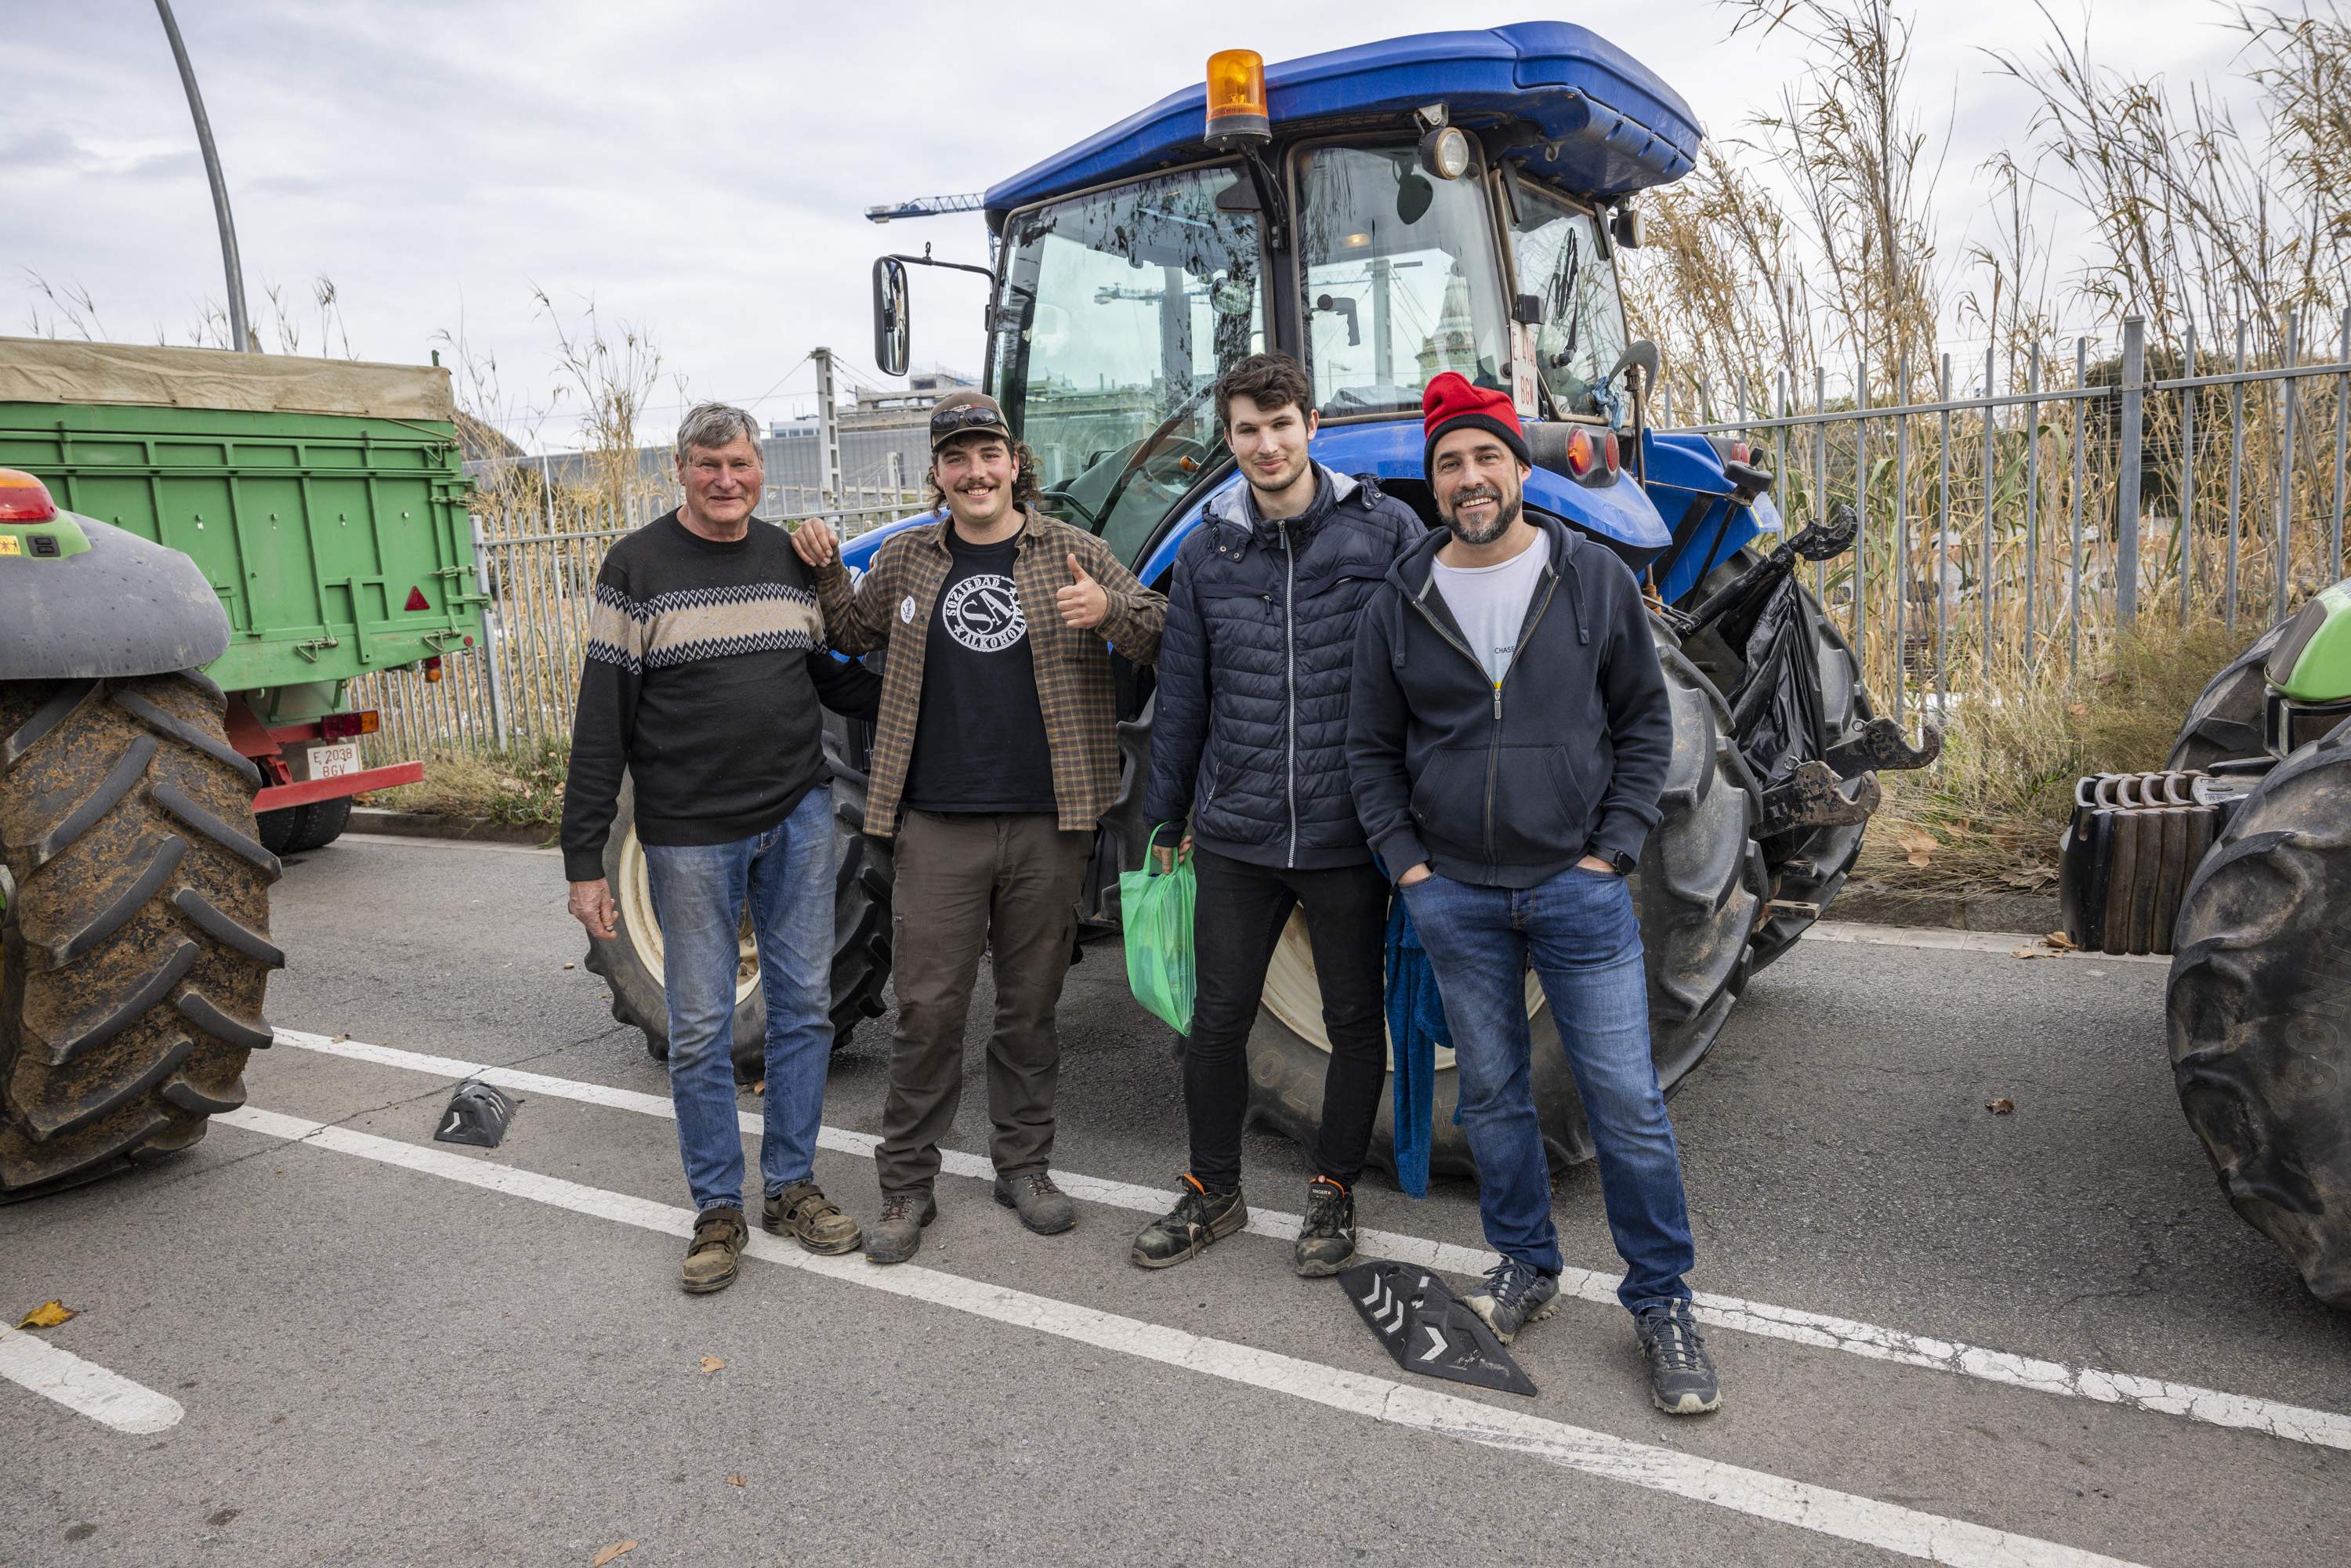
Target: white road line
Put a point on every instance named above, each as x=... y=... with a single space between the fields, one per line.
x=2004 y=943
x=1756 y=1494
x=2322 y=1428
x=85 y=1387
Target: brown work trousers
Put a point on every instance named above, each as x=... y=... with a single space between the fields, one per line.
x=1003 y=883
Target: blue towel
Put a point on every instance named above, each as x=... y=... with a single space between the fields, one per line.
x=1415 y=1028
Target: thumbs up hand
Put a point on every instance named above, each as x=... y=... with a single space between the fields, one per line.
x=1083 y=603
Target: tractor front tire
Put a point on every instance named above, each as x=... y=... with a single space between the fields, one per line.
x=134 y=948
x=298 y=830
x=1700 y=891
x=2260 y=1027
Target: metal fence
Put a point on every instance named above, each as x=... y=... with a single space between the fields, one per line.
x=2009 y=531
x=538 y=554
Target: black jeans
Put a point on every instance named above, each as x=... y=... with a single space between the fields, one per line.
x=1238 y=914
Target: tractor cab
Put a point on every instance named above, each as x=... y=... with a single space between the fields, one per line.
x=1447 y=201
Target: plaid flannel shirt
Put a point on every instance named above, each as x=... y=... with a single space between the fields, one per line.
x=891 y=606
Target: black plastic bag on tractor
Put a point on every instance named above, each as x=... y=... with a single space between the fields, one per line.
x=1776 y=712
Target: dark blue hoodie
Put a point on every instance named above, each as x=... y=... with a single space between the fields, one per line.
x=1509 y=784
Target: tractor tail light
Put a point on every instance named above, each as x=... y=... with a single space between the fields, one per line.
x=23 y=499
x=1610 y=452
x=432 y=670
x=343 y=725
x=1579 y=453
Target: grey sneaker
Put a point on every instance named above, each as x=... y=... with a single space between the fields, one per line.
x=1327 y=1239
x=802 y=1212
x=713 y=1257
x=1514 y=1295
x=1681 y=1375
x=1044 y=1208
x=898 y=1234
x=1199 y=1218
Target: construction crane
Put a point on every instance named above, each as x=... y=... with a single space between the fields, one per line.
x=926 y=207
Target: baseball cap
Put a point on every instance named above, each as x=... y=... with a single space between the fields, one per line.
x=966 y=413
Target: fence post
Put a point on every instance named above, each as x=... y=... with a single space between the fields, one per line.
x=1861 y=511
x=1943 y=552
x=1983 y=571
x=2186 y=535
x=2342 y=439
x=2285 y=469
x=2031 y=502
x=490 y=635
x=2081 y=432
x=1901 y=525
x=2126 y=475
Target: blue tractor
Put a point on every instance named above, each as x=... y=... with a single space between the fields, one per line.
x=1446 y=202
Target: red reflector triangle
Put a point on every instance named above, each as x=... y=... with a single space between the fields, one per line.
x=416 y=600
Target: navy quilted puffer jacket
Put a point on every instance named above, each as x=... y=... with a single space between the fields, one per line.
x=1250 y=737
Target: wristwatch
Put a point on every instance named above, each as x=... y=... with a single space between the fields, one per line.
x=1620 y=859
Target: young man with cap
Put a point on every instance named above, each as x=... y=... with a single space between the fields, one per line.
x=1509 y=738
x=1248 y=750
x=996 y=745
x=705 y=664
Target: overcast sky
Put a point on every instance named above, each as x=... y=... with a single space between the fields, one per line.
x=701 y=167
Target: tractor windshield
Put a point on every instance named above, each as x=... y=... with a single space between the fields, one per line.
x=1402 y=282
x=1116 y=313
x=1556 y=245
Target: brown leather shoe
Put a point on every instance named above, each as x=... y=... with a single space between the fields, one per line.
x=802 y=1212
x=1042 y=1206
x=714 y=1255
x=898 y=1236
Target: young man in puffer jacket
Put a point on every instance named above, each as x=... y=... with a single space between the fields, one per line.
x=1249 y=748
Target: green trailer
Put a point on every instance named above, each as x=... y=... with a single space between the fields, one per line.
x=199 y=551
x=324 y=501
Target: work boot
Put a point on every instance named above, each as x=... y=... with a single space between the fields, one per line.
x=1044 y=1208
x=1327 y=1239
x=802 y=1212
x=1681 y=1375
x=1514 y=1295
x=715 y=1254
x=899 y=1235
x=1199 y=1218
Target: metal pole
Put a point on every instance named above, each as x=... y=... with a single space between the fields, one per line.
x=1861 y=511
x=240 y=331
x=2342 y=444
x=2081 y=431
x=2187 y=396
x=2032 y=500
x=490 y=638
x=1901 y=523
x=2127 y=471
x=828 y=420
x=2285 y=470
x=1820 y=480
x=2236 y=481
x=1983 y=578
x=1943 y=550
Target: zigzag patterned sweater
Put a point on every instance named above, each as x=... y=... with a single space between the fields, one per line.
x=706 y=665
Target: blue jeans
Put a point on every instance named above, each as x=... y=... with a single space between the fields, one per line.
x=699 y=892
x=1580 y=931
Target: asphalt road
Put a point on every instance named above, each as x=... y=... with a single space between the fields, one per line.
x=384 y=1350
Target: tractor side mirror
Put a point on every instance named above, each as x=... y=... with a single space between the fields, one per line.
x=893 y=317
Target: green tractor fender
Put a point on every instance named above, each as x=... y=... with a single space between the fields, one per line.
x=2312 y=661
x=81 y=599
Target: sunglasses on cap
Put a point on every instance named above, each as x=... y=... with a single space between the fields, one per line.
x=949 y=422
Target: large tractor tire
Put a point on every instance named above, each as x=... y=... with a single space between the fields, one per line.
x=2261 y=1032
x=135 y=944
x=631 y=961
x=2225 y=720
x=1699 y=890
x=298 y=830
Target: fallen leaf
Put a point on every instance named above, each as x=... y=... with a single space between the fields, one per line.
x=617 y=1549
x=49 y=1315
x=340 y=1038
x=737 y=1482
x=758 y=1089
x=2033 y=952
x=2001 y=1106
x=567 y=965
x=711 y=1363
x=1920 y=844
x=2062 y=943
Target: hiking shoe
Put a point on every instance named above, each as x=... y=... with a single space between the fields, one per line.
x=1514 y=1295
x=1681 y=1375
x=1043 y=1208
x=1327 y=1239
x=899 y=1235
x=715 y=1254
x=802 y=1212
x=1199 y=1218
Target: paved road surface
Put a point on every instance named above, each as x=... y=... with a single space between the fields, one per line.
x=319 y=1337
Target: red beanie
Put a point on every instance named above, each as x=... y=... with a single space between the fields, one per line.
x=1452 y=404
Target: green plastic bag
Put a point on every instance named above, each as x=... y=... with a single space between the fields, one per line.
x=1156 y=909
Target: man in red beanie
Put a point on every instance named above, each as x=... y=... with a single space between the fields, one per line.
x=1508 y=739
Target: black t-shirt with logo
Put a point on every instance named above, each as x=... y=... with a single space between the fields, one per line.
x=979 y=745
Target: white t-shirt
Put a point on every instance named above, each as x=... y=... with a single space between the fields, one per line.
x=1490 y=601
